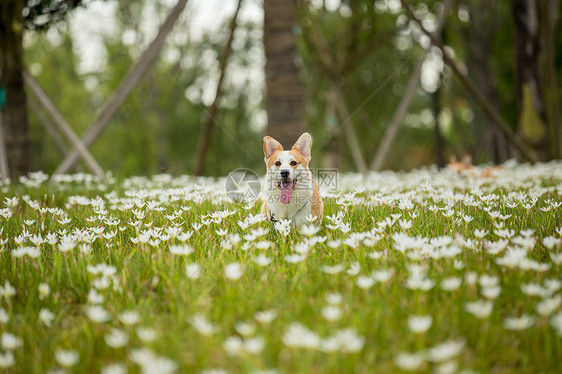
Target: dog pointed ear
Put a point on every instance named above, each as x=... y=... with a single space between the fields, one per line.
x=270 y=146
x=304 y=145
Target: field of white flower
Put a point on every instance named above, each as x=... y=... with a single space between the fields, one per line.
x=429 y=271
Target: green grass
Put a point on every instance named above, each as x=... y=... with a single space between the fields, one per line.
x=153 y=282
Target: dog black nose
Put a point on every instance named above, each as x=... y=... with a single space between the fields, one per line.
x=285 y=173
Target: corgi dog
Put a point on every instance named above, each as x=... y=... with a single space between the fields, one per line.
x=290 y=192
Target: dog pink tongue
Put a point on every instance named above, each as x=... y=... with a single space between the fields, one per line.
x=286 y=191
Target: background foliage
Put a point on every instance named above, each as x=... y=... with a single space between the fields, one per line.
x=156 y=129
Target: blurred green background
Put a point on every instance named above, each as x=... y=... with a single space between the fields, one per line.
x=157 y=128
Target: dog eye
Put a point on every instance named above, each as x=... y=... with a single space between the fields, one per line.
x=278 y=163
x=293 y=163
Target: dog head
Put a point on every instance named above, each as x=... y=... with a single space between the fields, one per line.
x=287 y=168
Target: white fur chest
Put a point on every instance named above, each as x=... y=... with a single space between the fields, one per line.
x=301 y=200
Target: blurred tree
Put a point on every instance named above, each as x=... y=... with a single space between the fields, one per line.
x=51 y=60
x=349 y=58
x=551 y=61
x=529 y=95
x=481 y=40
x=284 y=93
x=14 y=16
x=157 y=128
x=211 y=112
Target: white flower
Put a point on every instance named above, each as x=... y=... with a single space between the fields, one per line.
x=451 y=284
x=116 y=368
x=295 y=259
x=310 y=218
x=480 y=233
x=66 y=358
x=7 y=291
x=354 y=269
x=146 y=334
x=333 y=298
x=365 y=282
x=548 y=306
x=479 y=308
x=203 y=327
x=193 y=271
x=382 y=276
x=332 y=269
x=556 y=323
x=345 y=341
x=181 y=250
x=4 y=316
x=550 y=241
x=309 y=230
x=445 y=351
x=556 y=258
x=103 y=269
x=298 y=336
x=458 y=264
x=420 y=283
x=471 y=278
x=233 y=345
x=331 y=313
x=101 y=283
x=491 y=292
x=409 y=361
x=405 y=224
x=44 y=290
x=262 y=260
x=254 y=345
x=97 y=314
x=67 y=244
x=10 y=342
x=6 y=360
x=32 y=252
x=245 y=328
x=46 y=316
x=94 y=297
x=448 y=367
x=160 y=365
x=518 y=323
x=488 y=281
x=263 y=244
x=265 y=317
x=334 y=244
x=129 y=317
x=141 y=356
x=222 y=232
x=116 y=338
x=419 y=324
x=375 y=255
x=233 y=271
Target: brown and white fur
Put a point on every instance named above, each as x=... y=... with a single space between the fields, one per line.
x=290 y=192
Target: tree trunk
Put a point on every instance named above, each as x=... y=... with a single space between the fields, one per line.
x=550 y=31
x=459 y=72
x=284 y=96
x=481 y=30
x=530 y=104
x=409 y=92
x=14 y=113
